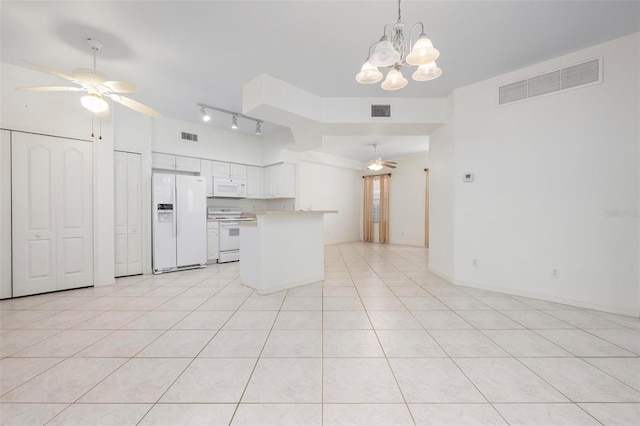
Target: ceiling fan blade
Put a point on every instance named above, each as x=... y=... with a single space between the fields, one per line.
x=135 y=105
x=391 y=162
x=390 y=165
x=120 y=86
x=50 y=89
x=50 y=71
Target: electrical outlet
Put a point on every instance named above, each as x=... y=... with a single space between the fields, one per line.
x=554 y=273
x=476 y=263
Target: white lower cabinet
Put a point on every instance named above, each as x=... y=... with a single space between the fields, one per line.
x=52 y=212
x=127 y=173
x=213 y=242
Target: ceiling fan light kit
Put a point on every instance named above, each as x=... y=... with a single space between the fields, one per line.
x=395 y=54
x=377 y=163
x=94 y=103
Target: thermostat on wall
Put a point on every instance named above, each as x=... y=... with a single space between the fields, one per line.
x=467 y=177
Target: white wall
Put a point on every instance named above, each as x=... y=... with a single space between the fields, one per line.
x=407 y=193
x=325 y=187
x=132 y=133
x=214 y=144
x=547 y=172
x=441 y=198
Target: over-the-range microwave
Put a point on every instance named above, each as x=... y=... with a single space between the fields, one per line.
x=229 y=188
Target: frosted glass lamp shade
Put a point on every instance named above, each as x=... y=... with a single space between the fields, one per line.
x=384 y=55
x=423 y=52
x=394 y=81
x=94 y=102
x=427 y=72
x=368 y=74
x=374 y=166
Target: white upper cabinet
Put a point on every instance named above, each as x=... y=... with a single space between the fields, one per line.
x=220 y=169
x=187 y=164
x=254 y=182
x=238 y=171
x=163 y=161
x=205 y=171
x=279 y=181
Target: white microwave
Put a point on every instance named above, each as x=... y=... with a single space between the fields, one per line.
x=229 y=188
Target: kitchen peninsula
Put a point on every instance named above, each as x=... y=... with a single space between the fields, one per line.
x=282 y=249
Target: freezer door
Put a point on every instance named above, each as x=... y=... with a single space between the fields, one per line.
x=164 y=222
x=191 y=220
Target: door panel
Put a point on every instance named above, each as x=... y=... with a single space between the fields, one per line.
x=191 y=235
x=120 y=255
x=75 y=215
x=134 y=214
x=33 y=215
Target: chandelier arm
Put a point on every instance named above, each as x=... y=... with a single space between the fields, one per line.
x=411 y=33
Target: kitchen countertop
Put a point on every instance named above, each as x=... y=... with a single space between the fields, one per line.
x=289 y=212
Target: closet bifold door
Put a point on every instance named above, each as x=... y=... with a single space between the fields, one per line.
x=52 y=213
x=127 y=213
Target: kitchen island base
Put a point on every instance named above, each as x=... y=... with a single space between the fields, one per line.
x=282 y=250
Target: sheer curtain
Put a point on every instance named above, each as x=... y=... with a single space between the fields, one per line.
x=367 y=234
x=384 y=208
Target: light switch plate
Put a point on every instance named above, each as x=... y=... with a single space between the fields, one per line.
x=467 y=177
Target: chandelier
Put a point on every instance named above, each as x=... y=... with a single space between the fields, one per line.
x=392 y=52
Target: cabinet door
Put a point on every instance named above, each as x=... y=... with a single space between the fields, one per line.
x=213 y=237
x=205 y=171
x=163 y=161
x=120 y=199
x=238 y=171
x=286 y=180
x=74 y=214
x=34 y=219
x=134 y=214
x=254 y=182
x=5 y=214
x=220 y=169
x=187 y=164
x=52 y=209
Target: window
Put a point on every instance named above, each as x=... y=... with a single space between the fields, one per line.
x=376 y=200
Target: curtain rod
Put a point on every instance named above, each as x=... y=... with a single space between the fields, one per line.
x=383 y=174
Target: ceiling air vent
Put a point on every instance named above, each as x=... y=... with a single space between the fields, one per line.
x=189 y=137
x=380 y=110
x=582 y=74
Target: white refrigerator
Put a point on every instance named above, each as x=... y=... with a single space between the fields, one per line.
x=179 y=222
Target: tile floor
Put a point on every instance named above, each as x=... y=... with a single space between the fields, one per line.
x=382 y=341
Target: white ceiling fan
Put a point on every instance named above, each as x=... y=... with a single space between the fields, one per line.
x=377 y=163
x=97 y=85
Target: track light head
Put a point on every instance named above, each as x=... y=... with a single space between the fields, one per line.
x=205 y=116
x=258 y=128
x=234 y=122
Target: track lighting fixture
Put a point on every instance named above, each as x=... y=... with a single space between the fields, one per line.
x=234 y=117
x=205 y=116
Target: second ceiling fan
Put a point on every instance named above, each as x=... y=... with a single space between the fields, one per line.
x=377 y=163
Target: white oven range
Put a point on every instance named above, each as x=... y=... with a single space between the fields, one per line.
x=229 y=244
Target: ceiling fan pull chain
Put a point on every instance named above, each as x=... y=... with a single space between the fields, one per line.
x=92 y=135
x=100 y=123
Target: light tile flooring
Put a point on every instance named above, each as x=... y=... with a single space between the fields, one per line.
x=382 y=341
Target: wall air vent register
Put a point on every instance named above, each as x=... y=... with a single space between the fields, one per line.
x=189 y=137
x=583 y=74
x=380 y=110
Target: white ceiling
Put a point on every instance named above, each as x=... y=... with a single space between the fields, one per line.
x=182 y=53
